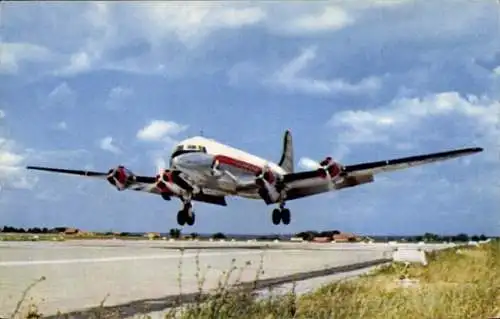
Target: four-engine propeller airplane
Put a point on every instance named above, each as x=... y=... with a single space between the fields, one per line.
x=205 y=170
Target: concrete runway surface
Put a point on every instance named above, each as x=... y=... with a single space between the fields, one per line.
x=80 y=273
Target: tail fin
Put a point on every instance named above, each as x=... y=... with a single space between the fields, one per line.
x=286 y=161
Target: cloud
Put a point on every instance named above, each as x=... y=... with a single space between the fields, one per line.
x=161 y=29
x=164 y=132
x=289 y=77
x=447 y=115
x=337 y=155
x=48 y=195
x=496 y=71
x=12 y=174
x=193 y=22
x=100 y=34
x=62 y=96
x=117 y=96
x=79 y=62
x=2 y=114
x=14 y=55
x=168 y=38
x=106 y=144
x=308 y=163
x=7 y=157
x=243 y=73
x=158 y=130
x=62 y=126
x=329 y=18
x=55 y=157
x=383 y=3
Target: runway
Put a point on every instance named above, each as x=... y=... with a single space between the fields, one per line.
x=81 y=273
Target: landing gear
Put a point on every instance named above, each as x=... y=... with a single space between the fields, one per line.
x=186 y=215
x=285 y=216
x=281 y=214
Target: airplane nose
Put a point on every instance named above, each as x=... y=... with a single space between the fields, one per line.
x=175 y=161
x=192 y=160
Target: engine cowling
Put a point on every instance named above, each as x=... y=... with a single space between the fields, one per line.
x=330 y=169
x=120 y=177
x=215 y=168
x=166 y=185
x=268 y=183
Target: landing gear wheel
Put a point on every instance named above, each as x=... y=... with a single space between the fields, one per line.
x=285 y=216
x=186 y=215
x=190 y=219
x=181 y=217
x=276 y=216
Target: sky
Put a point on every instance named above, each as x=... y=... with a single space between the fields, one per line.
x=91 y=85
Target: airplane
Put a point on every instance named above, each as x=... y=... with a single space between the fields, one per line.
x=205 y=170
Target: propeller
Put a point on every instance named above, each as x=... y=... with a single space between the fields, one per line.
x=160 y=165
x=328 y=169
x=266 y=173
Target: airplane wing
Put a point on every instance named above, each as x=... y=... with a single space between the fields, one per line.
x=303 y=184
x=140 y=183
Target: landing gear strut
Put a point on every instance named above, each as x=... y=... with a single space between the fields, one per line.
x=186 y=215
x=281 y=214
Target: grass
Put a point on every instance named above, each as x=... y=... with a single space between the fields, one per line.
x=462 y=282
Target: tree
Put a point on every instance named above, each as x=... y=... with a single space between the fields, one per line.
x=462 y=237
x=328 y=233
x=219 y=236
x=482 y=237
x=307 y=235
x=430 y=237
x=175 y=233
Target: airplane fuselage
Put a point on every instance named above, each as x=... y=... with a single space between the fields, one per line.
x=219 y=168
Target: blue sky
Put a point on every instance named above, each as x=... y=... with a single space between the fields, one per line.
x=359 y=80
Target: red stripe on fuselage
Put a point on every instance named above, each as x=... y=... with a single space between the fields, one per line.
x=222 y=159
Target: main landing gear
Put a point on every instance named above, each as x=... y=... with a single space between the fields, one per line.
x=281 y=214
x=186 y=215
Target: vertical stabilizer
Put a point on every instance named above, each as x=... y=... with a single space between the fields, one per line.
x=286 y=161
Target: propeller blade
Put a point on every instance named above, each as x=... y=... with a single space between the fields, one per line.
x=160 y=165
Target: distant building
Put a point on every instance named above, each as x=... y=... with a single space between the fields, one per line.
x=322 y=239
x=152 y=235
x=345 y=237
x=71 y=231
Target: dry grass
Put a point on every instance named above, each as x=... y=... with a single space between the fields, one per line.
x=457 y=283
x=454 y=285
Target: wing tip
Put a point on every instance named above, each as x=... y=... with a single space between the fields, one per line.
x=471 y=150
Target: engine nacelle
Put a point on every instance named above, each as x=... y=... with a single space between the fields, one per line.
x=120 y=177
x=268 y=184
x=330 y=169
x=215 y=169
x=166 y=185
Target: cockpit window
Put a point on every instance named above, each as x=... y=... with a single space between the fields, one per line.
x=182 y=149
